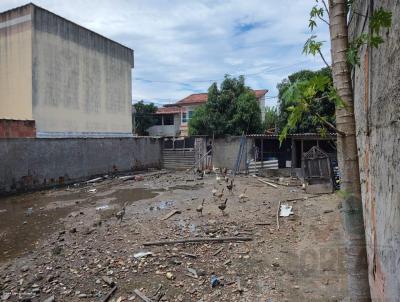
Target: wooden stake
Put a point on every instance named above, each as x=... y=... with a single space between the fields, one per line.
x=277 y=214
x=198 y=240
x=267 y=183
x=142 y=296
x=110 y=293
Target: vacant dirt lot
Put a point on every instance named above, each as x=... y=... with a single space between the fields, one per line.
x=68 y=242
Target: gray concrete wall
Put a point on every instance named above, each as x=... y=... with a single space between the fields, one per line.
x=377 y=111
x=225 y=152
x=35 y=163
x=81 y=80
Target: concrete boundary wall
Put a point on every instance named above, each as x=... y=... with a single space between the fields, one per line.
x=225 y=152
x=32 y=163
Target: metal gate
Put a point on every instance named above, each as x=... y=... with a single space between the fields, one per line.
x=178 y=153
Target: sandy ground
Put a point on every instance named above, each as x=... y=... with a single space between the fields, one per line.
x=67 y=242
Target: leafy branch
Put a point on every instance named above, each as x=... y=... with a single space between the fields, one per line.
x=304 y=95
x=379 y=19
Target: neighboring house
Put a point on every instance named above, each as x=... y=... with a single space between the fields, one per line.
x=173 y=118
x=59 y=79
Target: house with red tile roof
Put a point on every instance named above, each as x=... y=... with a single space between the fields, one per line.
x=172 y=119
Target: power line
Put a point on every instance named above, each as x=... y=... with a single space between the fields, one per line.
x=267 y=69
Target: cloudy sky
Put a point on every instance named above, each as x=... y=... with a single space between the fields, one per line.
x=182 y=46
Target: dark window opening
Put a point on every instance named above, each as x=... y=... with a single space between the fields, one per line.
x=158 y=120
x=168 y=119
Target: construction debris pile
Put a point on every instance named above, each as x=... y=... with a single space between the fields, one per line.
x=176 y=236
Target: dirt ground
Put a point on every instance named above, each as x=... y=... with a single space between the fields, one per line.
x=68 y=242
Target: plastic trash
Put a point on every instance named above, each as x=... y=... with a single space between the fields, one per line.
x=142 y=254
x=286 y=210
x=214 y=281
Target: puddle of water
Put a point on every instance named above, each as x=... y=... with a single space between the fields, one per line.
x=20 y=230
x=24 y=219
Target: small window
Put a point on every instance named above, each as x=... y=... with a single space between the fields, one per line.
x=190 y=113
x=168 y=119
x=184 y=117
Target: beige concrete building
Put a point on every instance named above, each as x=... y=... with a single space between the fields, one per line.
x=70 y=81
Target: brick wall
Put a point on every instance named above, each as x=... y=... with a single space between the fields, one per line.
x=17 y=128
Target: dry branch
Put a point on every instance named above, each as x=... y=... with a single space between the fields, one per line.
x=197 y=240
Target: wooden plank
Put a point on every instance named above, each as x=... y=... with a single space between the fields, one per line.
x=197 y=240
x=170 y=214
x=267 y=183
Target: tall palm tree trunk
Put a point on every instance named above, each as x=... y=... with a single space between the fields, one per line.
x=356 y=256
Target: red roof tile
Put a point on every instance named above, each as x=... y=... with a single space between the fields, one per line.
x=168 y=110
x=260 y=93
x=199 y=98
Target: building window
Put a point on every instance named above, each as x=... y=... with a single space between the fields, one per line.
x=190 y=113
x=184 y=118
x=158 y=120
x=168 y=119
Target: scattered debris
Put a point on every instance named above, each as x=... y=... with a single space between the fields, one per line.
x=50 y=299
x=267 y=183
x=110 y=293
x=198 y=240
x=170 y=214
x=128 y=177
x=218 y=251
x=192 y=273
x=103 y=207
x=94 y=180
x=29 y=211
x=239 y=287
x=286 y=210
x=142 y=296
x=108 y=281
x=92 y=190
x=140 y=255
x=214 y=281
x=170 y=276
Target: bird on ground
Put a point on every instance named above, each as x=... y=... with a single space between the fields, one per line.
x=219 y=194
x=222 y=206
x=230 y=186
x=243 y=196
x=199 y=209
x=120 y=214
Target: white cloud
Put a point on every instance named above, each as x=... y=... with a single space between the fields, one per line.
x=181 y=46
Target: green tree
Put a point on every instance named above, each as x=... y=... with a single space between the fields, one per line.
x=232 y=109
x=344 y=55
x=144 y=117
x=290 y=96
x=271 y=118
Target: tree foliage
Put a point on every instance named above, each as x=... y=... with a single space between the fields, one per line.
x=231 y=109
x=304 y=98
x=271 y=118
x=144 y=117
x=303 y=106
